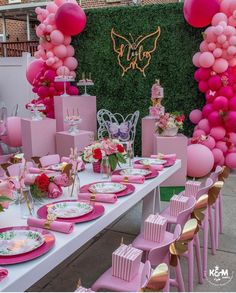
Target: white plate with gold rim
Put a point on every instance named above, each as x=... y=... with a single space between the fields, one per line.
x=152 y=161
x=107 y=187
x=134 y=171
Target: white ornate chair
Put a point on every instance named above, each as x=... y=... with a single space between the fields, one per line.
x=116 y=126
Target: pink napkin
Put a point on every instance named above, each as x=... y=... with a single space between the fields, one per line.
x=81 y=166
x=34 y=170
x=63 y=227
x=29 y=179
x=129 y=179
x=101 y=197
x=168 y=157
x=149 y=167
x=3 y=273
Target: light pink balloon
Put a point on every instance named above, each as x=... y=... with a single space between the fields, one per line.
x=221 y=39
x=210 y=34
x=232 y=137
x=73 y=74
x=59 y=2
x=50 y=54
x=232 y=21
x=230 y=160
x=220 y=65
x=218 y=132
x=231 y=50
x=195 y=116
x=63 y=70
x=198 y=133
x=195 y=59
x=51 y=19
x=67 y=40
x=218 y=30
x=232 y=40
x=209 y=142
x=71 y=63
x=38 y=10
x=206 y=59
x=232 y=62
x=50 y=61
x=225 y=46
x=49 y=28
x=222 y=146
x=217 y=53
x=57 y=64
x=223 y=23
x=200 y=160
x=40 y=18
x=224 y=6
x=57 y=37
x=60 y=51
x=218 y=155
x=204 y=125
x=51 y=7
x=39 y=32
x=204 y=46
x=229 y=30
x=212 y=46
x=218 y=17
x=70 y=51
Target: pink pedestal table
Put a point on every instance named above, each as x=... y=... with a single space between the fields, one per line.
x=65 y=141
x=148 y=129
x=86 y=106
x=169 y=145
x=38 y=137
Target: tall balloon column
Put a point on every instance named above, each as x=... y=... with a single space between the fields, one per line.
x=216 y=76
x=58 y=22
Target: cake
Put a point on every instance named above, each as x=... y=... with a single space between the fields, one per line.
x=157 y=94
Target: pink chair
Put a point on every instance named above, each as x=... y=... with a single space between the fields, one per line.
x=13 y=136
x=109 y=282
x=49 y=160
x=14 y=170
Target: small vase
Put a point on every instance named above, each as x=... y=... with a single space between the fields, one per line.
x=26 y=203
x=74 y=188
x=170 y=132
x=97 y=167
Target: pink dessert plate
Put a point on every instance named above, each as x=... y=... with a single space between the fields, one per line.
x=98 y=211
x=49 y=241
x=152 y=175
x=129 y=189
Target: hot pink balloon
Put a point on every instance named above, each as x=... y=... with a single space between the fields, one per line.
x=204 y=125
x=206 y=110
x=232 y=104
x=33 y=69
x=200 y=160
x=50 y=75
x=214 y=119
x=232 y=137
x=70 y=19
x=220 y=103
x=206 y=59
x=43 y=91
x=214 y=82
x=73 y=91
x=71 y=63
x=226 y=91
x=218 y=132
x=203 y=86
x=57 y=37
x=198 y=13
x=195 y=116
x=230 y=160
x=230 y=121
x=222 y=146
x=218 y=155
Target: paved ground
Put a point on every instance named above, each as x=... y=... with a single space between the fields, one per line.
x=89 y=262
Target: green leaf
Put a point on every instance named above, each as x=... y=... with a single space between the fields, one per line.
x=121 y=158
x=1 y=208
x=113 y=161
x=36 y=192
x=4 y=198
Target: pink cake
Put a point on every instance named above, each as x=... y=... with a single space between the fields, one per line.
x=157 y=94
x=157 y=91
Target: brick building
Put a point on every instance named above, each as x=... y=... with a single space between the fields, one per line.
x=18 y=20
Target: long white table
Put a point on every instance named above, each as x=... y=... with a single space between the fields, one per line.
x=22 y=276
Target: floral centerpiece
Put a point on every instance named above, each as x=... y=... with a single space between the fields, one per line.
x=6 y=188
x=170 y=123
x=110 y=148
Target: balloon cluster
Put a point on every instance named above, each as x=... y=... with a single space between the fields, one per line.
x=216 y=77
x=58 y=22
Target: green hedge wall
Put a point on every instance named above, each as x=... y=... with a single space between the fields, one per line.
x=171 y=62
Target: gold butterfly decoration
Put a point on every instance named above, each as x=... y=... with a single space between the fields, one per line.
x=200 y=207
x=158 y=279
x=135 y=54
x=214 y=191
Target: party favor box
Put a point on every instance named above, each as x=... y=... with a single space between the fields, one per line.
x=154 y=228
x=178 y=203
x=126 y=262
x=192 y=188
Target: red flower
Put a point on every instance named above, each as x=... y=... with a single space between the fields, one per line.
x=180 y=118
x=120 y=148
x=42 y=182
x=97 y=154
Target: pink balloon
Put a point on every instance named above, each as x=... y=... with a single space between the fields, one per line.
x=51 y=19
x=204 y=46
x=230 y=160
x=50 y=75
x=222 y=146
x=221 y=39
x=198 y=13
x=220 y=103
x=231 y=50
x=70 y=19
x=210 y=96
x=57 y=37
x=232 y=104
x=214 y=82
x=226 y=91
x=209 y=142
x=43 y=91
x=70 y=51
x=232 y=21
x=198 y=133
x=210 y=34
x=200 y=160
x=73 y=91
x=73 y=74
x=218 y=17
x=206 y=110
x=71 y=63
x=203 y=73
x=63 y=70
x=39 y=32
x=232 y=137
x=218 y=132
x=195 y=59
x=224 y=6
x=14 y=135
x=203 y=86
x=57 y=65
x=212 y=46
x=195 y=116
x=218 y=155
x=51 y=7
x=204 y=125
x=60 y=51
x=220 y=65
x=230 y=121
x=206 y=59
x=67 y=40
x=217 y=53
x=33 y=68
x=214 y=119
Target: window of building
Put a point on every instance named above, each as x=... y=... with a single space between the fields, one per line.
x=14 y=1
x=1 y=38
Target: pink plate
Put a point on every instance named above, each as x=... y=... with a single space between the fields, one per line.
x=48 y=244
x=149 y=176
x=129 y=189
x=97 y=212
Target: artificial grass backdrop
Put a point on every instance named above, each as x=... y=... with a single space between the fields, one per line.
x=171 y=62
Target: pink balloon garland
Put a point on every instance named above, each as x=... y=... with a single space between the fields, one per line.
x=216 y=76
x=55 y=56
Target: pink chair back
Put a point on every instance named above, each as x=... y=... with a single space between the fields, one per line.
x=214 y=175
x=49 y=160
x=204 y=190
x=184 y=215
x=146 y=273
x=14 y=170
x=159 y=254
x=13 y=136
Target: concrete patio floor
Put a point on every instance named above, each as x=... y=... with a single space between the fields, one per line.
x=89 y=262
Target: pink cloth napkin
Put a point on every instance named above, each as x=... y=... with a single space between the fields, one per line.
x=3 y=273
x=129 y=179
x=34 y=170
x=149 y=167
x=81 y=166
x=101 y=197
x=168 y=157
x=29 y=179
x=63 y=227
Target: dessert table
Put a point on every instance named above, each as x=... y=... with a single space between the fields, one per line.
x=22 y=276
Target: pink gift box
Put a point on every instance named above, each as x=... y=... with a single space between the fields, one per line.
x=126 y=262
x=154 y=228
x=178 y=203
x=192 y=188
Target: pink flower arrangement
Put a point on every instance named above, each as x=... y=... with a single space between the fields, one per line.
x=170 y=120
x=6 y=188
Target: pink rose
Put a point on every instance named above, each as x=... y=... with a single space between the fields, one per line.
x=54 y=190
x=61 y=180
